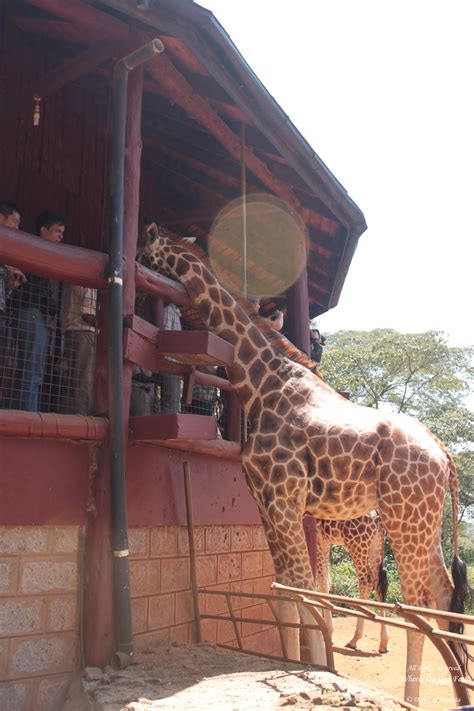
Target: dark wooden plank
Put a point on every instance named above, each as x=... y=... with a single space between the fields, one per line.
x=172 y=426
x=219 y=448
x=186 y=346
x=146 y=345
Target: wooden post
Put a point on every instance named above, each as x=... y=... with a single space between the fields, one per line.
x=192 y=551
x=298 y=313
x=98 y=626
x=234 y=416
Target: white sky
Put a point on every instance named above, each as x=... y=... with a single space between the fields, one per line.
x=383 y=92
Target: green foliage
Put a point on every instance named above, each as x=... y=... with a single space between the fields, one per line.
x=344 y=579
x=416 y=373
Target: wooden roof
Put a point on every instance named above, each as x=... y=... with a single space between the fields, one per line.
x=198 y=93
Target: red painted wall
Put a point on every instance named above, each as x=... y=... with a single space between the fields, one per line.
x=156 y=491
x=48 y=482
x=43 y=482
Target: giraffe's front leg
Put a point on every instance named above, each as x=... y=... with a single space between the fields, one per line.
x=287 y=544
x=322 y=572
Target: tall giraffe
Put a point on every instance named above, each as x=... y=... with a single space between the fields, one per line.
x=312 y=451
x=364 y=539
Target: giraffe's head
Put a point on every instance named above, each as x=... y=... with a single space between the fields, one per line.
x=157 y=243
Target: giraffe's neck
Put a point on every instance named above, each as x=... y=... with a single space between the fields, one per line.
x=258 y=369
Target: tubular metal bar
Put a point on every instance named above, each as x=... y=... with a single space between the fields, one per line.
x=460 y=691
x=119 y=527
x=234 y=620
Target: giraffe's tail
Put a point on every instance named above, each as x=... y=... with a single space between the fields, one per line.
x=382 y=585
x=382 y=582
x=461 y=591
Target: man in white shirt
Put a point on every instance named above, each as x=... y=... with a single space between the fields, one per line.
x=78 y=321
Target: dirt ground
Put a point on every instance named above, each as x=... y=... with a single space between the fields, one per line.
x=180 y=678
x=387 y=671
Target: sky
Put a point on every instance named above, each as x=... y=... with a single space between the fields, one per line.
x=383 y=92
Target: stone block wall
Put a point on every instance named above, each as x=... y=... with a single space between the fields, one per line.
x=40 y=599
x=39 y=615
x=232 y=558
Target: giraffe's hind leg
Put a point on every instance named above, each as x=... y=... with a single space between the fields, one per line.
x=413 y=563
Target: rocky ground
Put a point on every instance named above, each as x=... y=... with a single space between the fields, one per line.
x=203 y=677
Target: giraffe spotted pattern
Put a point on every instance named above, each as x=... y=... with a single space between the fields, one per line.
x=310 y=451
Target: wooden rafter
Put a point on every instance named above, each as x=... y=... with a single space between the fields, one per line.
x=198 y=182
x=54 y=29
x=73 y=69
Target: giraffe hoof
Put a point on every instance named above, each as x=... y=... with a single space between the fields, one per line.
x=351 y=645
x=383 y=651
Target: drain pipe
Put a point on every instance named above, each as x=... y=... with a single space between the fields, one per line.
x=119 y=528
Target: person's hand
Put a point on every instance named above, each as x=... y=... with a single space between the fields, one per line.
x=50 y=323
x=15 y=277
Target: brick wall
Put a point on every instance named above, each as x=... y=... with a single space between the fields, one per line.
x=39 y=599
x=39 y=584
x=234 y=558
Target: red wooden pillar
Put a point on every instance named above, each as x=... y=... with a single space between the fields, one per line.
x=298 y=313
x=298 y=333
x=98 y=626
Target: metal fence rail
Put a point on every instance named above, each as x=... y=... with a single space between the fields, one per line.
x=413 y=618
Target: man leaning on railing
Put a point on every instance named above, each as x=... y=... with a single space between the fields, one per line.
x=33 y=311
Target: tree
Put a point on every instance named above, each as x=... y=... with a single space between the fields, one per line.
x=417 y=374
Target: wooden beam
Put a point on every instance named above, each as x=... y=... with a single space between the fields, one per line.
x=298 y=313
x=173 y=426
x=198 y=183
x=65 y=263
x=88 y=17
x=213 y=172
x=180 y=91
x=73 y=69
x=185 y=347
x=218 y=448
x=56 y=29
x=158 y=285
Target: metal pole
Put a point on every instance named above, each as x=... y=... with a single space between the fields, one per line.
x=243 y=177
x=192 y=550
x=119 y=527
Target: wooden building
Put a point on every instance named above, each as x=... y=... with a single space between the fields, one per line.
x=198 y=122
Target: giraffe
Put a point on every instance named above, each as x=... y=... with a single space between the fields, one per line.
x=311 y=451
x=364 y=539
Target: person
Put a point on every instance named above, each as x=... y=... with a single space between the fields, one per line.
x=78 y=322
x=34 y=311
x=204 y=396
x=10 y=278
x=317 y=343
x=170 y=385
x=275 y=319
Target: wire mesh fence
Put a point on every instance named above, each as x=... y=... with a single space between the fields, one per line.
x=47 y=347
x=48 y=338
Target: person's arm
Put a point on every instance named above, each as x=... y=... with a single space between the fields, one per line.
x=14 y=277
